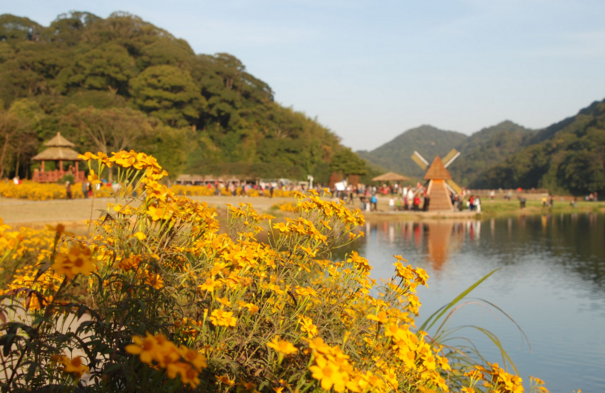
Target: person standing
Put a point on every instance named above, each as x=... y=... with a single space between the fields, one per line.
x=374 y=202
x=85 y=189
x=416 y=203
x=392 y=203
x=68 y=189
x=478 y=204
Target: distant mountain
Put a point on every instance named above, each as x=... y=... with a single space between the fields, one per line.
x=486 y=148
x=427 y=140
x=568 y=156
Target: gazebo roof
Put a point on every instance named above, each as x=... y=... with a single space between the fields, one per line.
x=57 y=154
x=437 y=171
x=58 y=141
x=390 y=176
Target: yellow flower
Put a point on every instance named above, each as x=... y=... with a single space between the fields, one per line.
x=327 y=373
x=140 y=235
x=162 y=213
x=73 y=366
x=209 y=285
x=77 y=260
x=224 y=301
x=308 y=327
x=225 y=380
x=195 y=358
x=282 y=346
x=146 y=348
x=154 y=280
x=381 y=317
x=188 y=375
x=222 y=318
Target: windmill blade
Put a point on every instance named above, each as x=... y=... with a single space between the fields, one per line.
x=418 y=159
x=453 y=186
x=450 y=157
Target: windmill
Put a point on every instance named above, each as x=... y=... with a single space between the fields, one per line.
x=440 y=181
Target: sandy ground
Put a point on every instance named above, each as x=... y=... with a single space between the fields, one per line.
x=74 y=213
x=36 y=214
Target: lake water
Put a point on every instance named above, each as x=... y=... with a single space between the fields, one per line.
x=551 y=282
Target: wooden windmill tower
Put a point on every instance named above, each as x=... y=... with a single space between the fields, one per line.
x=440 y=184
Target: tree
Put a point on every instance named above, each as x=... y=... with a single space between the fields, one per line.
x=108 y=67
x=111 y=129
x=169 y=94
x=348 y=163
x=17 y=142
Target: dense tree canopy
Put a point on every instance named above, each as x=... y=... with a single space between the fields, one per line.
x=568 y=157
x=91 y=77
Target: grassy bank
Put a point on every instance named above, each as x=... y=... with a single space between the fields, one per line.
x=502 y=208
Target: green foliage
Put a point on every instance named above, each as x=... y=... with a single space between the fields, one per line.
x=486 y=148
x=348 y=163
x=86 y=72
x=168 y=93
x=570 y=159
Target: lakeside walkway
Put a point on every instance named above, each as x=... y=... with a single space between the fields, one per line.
x=37 y=214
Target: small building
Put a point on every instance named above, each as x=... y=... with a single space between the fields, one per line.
x=59 y=150
x=437 y=190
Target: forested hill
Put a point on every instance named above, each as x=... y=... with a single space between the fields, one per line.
x=568 y=156
x=486 y=148
x=427 y=140
x=93 y=79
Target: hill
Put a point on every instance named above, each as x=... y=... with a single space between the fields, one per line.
x=122 y=83
x=427 y=140
x=486 y=148
x=568 y=156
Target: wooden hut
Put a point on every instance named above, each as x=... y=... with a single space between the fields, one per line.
x=439 y=195
x=59 y=150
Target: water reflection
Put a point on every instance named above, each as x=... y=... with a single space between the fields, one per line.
x=552 y=282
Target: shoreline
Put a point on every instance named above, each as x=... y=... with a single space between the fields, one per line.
x=74 y=213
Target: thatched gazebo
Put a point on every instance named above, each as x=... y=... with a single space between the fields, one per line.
x=390 y=176
x=59 y=149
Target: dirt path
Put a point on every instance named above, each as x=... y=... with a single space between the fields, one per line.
x=37 y=214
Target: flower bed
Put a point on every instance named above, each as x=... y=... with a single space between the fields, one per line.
x=171 y=304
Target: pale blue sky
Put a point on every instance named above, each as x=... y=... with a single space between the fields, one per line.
x=371 y=69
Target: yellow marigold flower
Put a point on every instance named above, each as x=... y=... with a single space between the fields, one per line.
x=224 y=379
x=187 y=373
x=140 y=235
x=252 y=308
x=282 y=346
x=129 y=263
x=282 y=227
x=195 y=358
x=327 y=373
x=382 y=317
x=87 y=156
x=360 y=262
x=421 y=276
x=161 y=213
x=154 y=280
x=222 y=318
x=73 y=366
x=77 y=260
x=146 y=348
x=224 y=301
x=210 y=285
x=308 y=327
